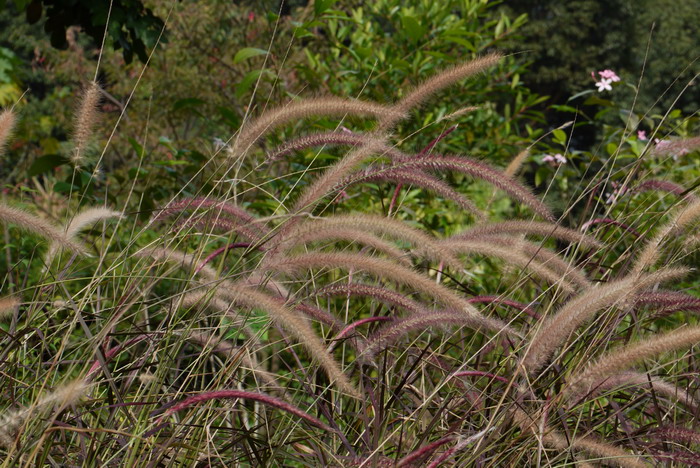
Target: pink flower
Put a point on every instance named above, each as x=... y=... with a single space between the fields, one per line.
x=604 y=85
x=554 y=160
x=642 y=135
x=609 y=74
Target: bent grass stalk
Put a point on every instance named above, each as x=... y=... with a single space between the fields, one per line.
x=244 y=395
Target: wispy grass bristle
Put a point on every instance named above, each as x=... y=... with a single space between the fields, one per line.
x=581 y=309
x=7 y=125
x=85 y=120
x=39 y=226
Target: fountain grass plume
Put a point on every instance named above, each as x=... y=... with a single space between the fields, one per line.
x=186 y=261
x=8 y=305
x=534 y=228
x=652 y=250
x=424 y=244
x=85 y=119
x=359 y=236
x=483 y=171
x=544 y=257
x=664 y=186
x=327 y=182
x=39 y=226
x=516 y=163
x=511 y=256
x=424 y=181
x=438 y=82
x=83 y=220
x=581 y=309
x=296 y=325
x=622 y=358
x=266 y=400
x=382 y=294
x=385 y=269
x=330 y=139
x=676 y=148
x=7 y=126
x=223 y=214
x=332 y=106
x=678 y=434
x=668 y=301
x=397 y=329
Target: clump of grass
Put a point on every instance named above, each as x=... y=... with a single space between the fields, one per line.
x=169 y=316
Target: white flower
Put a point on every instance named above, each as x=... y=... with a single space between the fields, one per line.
x=604 y=85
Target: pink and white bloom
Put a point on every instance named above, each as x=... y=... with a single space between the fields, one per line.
x=642 y=135
x=604 y=85
x=554 y=159
x=609 y=75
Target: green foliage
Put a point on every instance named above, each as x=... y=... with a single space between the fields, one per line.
x=132 y=27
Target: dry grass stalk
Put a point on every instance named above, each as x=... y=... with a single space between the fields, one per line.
x=7 y=125
x=85 y=119
x=606 y=453
x=643 y=381
x=226 y=349
x=37 y=225
x=581 y=309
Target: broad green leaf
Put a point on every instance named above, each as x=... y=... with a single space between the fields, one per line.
x=322 y=5
x=45 y=164
x=248 y=52
x=413 y=28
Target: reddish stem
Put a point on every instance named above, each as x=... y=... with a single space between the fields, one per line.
x=219 y=251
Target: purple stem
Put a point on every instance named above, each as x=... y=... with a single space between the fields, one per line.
x=363 y=321
x=235 y=394
x=219 y=251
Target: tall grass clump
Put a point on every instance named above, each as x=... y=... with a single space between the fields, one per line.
x=260 y=320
